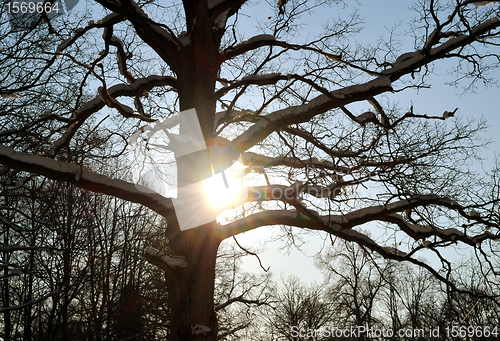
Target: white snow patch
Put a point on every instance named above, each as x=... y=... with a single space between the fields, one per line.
x=62 y=46
x=172 y=261
x=368 y=116
x=199 y=329
x=261 y=37
x=260 y=77
x=221 y=19
x=484 y=3
x=394 y=251
x=12 y=95
x=214 y=3
x=333 y=57
x=405 y=60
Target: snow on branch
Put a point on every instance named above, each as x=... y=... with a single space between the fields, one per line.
x=411 y=61
x=64 y=171
x=342 y=226
x=164 y=261
x=140 y=87
x=269 y=40
x=107 y=21
x=254 y=159
x=478 y=3
x=255 y=40
x=392 y=253
x=345 y=222
x=250 y=44
x=112 y=102
x=158 y=36
x=417 y=231
x=302 y=113
x=371 y=213
x=120 y=54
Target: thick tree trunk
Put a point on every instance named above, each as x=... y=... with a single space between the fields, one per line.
x=191 y=289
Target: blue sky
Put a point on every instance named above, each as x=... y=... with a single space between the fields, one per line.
x=379 y=17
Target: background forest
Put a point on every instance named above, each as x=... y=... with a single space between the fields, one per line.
x=102 y=289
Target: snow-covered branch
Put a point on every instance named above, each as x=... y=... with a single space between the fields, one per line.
x=269 y=40
x=138 y=88
x=341 y=97
x=333 y=223
x=409 y=62
x=163 y=261
x=417 y=231
x=68 y=172
x=302 y=113
x=342 y=227
x=158 y=36
x=254 y=159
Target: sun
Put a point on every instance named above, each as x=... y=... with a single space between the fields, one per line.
x=223 y=190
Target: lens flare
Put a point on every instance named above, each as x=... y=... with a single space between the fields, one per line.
x=223 y=190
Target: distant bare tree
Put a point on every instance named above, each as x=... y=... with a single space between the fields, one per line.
x=356 y=285
x=297 y=307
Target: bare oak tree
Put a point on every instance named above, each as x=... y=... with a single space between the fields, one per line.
x=318 y=162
